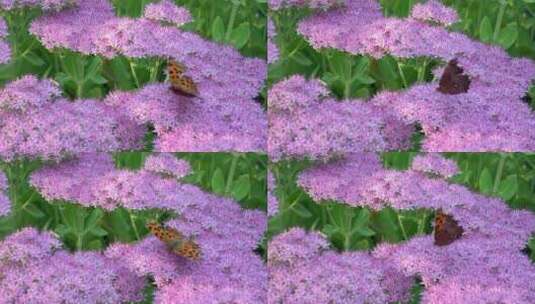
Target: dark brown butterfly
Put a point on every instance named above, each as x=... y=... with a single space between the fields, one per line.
x=453 y=81
x=447 y=230
x=176 y=241
x=180 y=83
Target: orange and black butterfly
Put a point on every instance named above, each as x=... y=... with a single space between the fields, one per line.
x=175 y=241
x=453 y=81
x=447 y=230
x=180 y=83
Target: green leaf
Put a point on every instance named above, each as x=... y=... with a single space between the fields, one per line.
x=365 y=231
x=98 y=232
x=301 y=59
x=93 y=218
x=98 y=79
x=34 y=211
x=218 y=181
x=240 y=35
x=34 y=59
x=508 y=35
x=485 y=30
x=364 y=79
x=301 y=211
x=242 y=187
x=218 y=29
x=508 y=187
x=485 y=181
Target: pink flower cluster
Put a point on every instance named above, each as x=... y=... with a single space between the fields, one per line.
x=303 y=270
x=317 y=4
x=486 y=258
x=36 y=270
x=434 y=11
x=434 y=165
x=273 y=202
x=54 y=127
x=167 y=165
x=229 y=270
x=5 y=50
x=43 y=4
x=5 y=204
x=489 y=117
x=167 y=11
x=194 y=124
x=305 y=122
x=273 y=50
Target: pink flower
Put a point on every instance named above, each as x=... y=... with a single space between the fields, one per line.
x=35 y=270
x=305 y=122
x=167 y=11
x=434 y=11
x=434 y=164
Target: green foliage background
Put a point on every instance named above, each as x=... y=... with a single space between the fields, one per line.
x=510 y=177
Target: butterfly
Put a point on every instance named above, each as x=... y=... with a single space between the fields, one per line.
x=175 y=241
x=447 y=230
x=453 y=81
x=180 y=83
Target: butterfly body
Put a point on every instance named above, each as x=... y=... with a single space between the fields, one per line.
x=447 y=230
x=175 y=241
x=453 y=81
x=180 y=83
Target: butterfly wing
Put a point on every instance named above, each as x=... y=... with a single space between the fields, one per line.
x=447 y=230
x=453 y=81
x=188 y=249
x=175 y=241
x=165 y=234
x=180 y=83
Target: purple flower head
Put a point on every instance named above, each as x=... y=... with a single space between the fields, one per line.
x=26 y=246
x=303 y=122
x=43 y=4
x=167 y=165
x=435 y=165
x=317 y=4
x=3 y=181
x=273 y=202
x=5 y=204
x=5 y=50
x=220 y=72
x=28 y=92
x=36 y=270
x=470 y=270
x=301 y=270
x=55 y=127
x=185 y=124
x=434 y=11
x=273 y=50
x=498 y=119
x=167 y=11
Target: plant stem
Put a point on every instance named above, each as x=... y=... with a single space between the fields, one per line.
x=232 y=170
x=133 y=223
x=499 y=173
x=404 y=234
x=134 y=75
x=231 y=21
x=405 y=85
x=498 y=25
